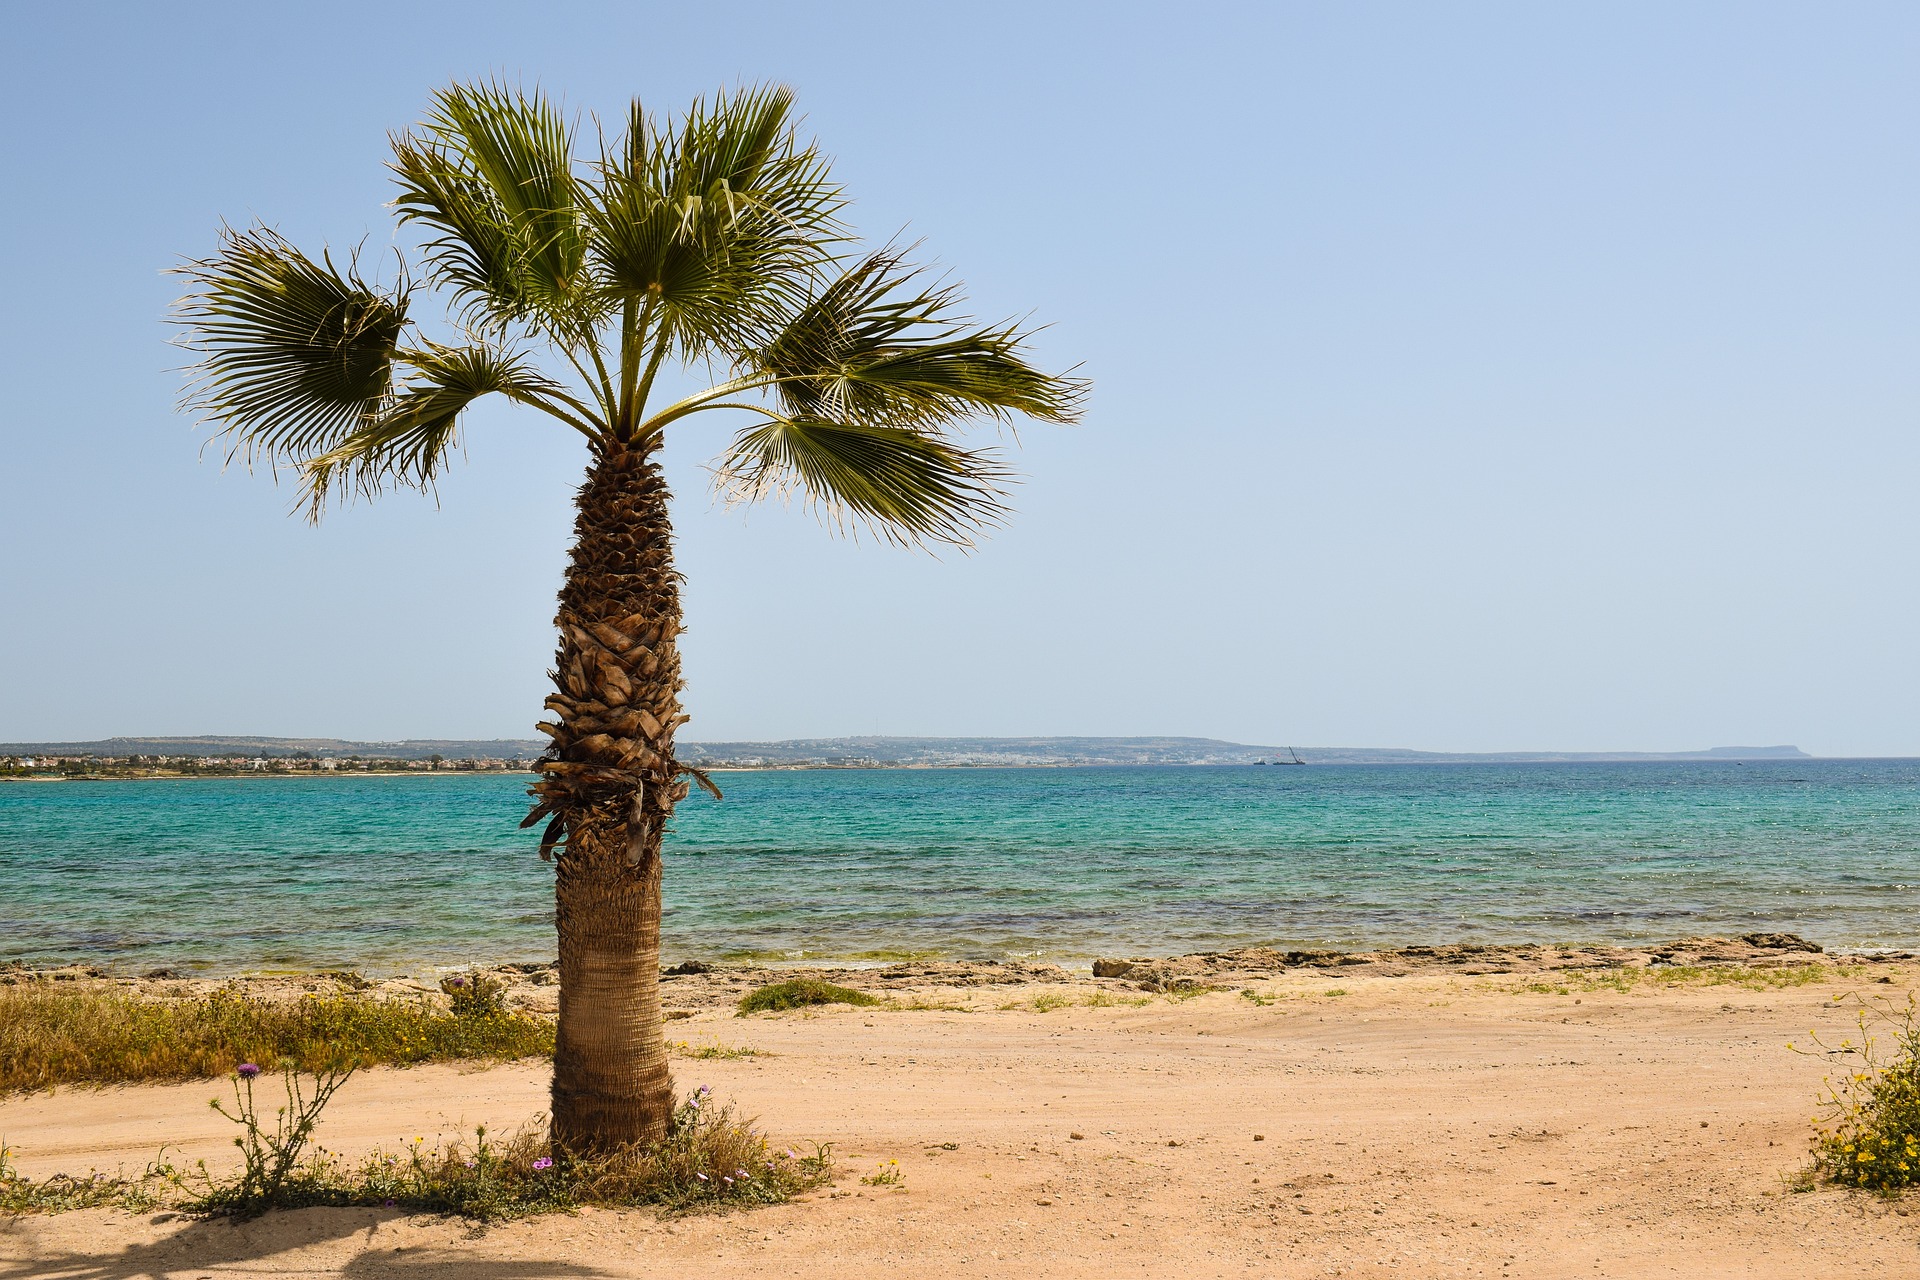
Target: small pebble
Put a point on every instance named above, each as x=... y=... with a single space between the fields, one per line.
x=1078 y=1137
x=1259 y=1137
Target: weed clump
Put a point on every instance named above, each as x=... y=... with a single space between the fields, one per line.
x=885 y=1175
x=20 y=1194
x=722 y=1052
x=52 y=1037
x=797 y=993
x=475 y=995
x=270 y=1160
x=709 y=1160
x=1869 y=1136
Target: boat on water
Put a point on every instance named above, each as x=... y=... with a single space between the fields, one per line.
x=1294 y=758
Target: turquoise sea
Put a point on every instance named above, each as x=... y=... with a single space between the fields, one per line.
x=406 y=874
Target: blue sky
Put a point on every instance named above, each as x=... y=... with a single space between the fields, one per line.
x=1465 y=377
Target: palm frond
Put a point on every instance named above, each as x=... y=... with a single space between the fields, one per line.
x=874 y=346
x=719 y=223
x=295 y=354
x=490 y=174
x=409 y=442
x=906 y=486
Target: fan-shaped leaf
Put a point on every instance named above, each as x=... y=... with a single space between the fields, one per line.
x=907 y=486
x=296 y=354
x=875 y=347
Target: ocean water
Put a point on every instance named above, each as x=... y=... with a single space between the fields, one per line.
x=408 y=874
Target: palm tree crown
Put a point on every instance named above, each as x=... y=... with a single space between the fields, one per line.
x=716 y=241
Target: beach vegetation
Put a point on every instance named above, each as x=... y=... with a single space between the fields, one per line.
x=475 y=995
x=1048 y=1001
x=709 y=1160
x=887 y=1174
x=716 y=1051
x=269 y=1157
x=584 y=268
x=798 y=993
x=60 y=1192
x=52 y=1036
x=920 y=1004
x=1868 y=1132
x=1631 y=978
x=1108 y=1000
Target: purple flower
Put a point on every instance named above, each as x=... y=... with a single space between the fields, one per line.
x=468 y=1163
x=389 y=1203
x=456 y=981
x=247 y=1070
x=544 y=1162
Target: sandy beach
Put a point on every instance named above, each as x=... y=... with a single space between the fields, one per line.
x=1439 y=1113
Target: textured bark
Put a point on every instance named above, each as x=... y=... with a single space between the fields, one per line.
x=608 y=785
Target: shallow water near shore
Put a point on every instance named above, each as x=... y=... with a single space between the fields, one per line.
x=399 y=874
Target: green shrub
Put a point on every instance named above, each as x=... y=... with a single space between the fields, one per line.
x=1870 y=1134
x=107 y=1036
x=797 y=992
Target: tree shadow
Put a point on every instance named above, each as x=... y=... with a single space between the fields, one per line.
x=208 y=1243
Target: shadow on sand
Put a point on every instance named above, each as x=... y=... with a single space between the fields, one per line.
x=199 y=1247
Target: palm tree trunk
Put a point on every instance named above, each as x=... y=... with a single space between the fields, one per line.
x=608 y=785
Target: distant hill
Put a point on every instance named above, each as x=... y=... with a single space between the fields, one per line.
x=976 y=751
x=897 y=752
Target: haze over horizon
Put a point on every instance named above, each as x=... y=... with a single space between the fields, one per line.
x=1463 y=379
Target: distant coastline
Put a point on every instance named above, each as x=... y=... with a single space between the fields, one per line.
x=260 y=756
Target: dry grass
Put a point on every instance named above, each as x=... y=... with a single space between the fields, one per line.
x=1662 y=976
x=20 y=1194
x=51 y=1036
x=796 y=993
x=711 y=1161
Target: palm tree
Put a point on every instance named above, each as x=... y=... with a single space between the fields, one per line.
x=715 y=242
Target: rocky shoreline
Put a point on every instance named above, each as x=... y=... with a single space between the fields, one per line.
x=697 y=986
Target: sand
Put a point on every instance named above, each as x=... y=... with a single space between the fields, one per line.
x=1428 y=1121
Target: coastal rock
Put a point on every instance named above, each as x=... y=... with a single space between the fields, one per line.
x=687 y=968
x=1112 y=968
x=1780 y=942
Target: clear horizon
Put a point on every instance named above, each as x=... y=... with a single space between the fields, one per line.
x=1462 y=378
x=990 y=737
